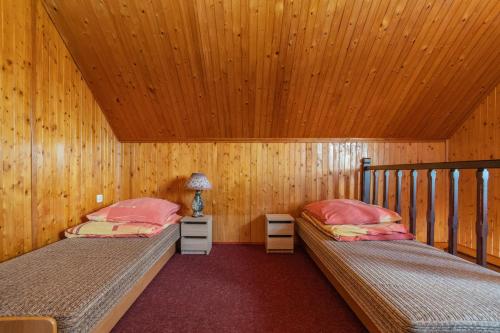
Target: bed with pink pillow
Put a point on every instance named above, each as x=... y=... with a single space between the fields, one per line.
x=400 y=285
x=88 y=280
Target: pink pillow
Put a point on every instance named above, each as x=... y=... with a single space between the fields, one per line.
x=345 y=211
x=172 y=219
x=147 y=210
x=99 y=216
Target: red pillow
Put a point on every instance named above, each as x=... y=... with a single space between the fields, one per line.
x=345 y=211
x=147 y=210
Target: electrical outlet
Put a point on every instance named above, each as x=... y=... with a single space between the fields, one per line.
x=99 y=198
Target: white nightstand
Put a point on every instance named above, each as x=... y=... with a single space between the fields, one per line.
x=279 y=233
x=196 y=234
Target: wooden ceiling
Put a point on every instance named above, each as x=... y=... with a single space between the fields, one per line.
x=178 y=69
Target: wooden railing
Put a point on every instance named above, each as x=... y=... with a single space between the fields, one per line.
x=454 y=168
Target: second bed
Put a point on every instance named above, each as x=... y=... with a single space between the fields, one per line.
x=407 y=286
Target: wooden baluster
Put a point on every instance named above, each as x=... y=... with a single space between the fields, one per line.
x=413 y=201
x=365 y=180
x=375 y=188
x=386 y=188
x=399 y=176
x=482 y=176
x=453 y=212
x=431 y=206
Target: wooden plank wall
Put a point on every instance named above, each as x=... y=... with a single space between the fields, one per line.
x=48 y=112
x=253 y=178
x=74 y=149
x=15 y=150
x=479 y=138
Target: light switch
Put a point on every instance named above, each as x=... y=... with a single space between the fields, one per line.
x=99 y=198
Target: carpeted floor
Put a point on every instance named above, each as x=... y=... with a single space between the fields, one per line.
x=239 y=288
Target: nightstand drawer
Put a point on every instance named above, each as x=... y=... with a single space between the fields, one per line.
x=279 y=228
x=280 y=243
x=194 y=229
x=190 y=243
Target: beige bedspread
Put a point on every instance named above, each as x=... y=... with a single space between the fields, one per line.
x=77 y=281
x=407 y=286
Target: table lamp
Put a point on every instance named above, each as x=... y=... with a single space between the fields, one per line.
x=198 y=182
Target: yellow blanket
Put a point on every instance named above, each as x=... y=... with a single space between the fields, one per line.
x=99 y=229
x=348 y=232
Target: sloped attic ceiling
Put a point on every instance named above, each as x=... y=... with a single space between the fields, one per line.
x=182 y=69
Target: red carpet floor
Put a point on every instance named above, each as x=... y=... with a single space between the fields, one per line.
x=239 y=288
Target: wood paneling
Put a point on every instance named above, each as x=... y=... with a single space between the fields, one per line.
x=477 y=139
x=252 y=179
x=47 y=112
x=74 y=149
x=171 y=70
x=15 y=105
x=262 y=80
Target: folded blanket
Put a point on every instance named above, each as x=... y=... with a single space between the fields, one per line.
x=107 y=229
x=349 y=233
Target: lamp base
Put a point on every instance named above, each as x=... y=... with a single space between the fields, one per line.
x=197 y=205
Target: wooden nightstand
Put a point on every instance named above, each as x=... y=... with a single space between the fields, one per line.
x=279 y=233
x=196 y=234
